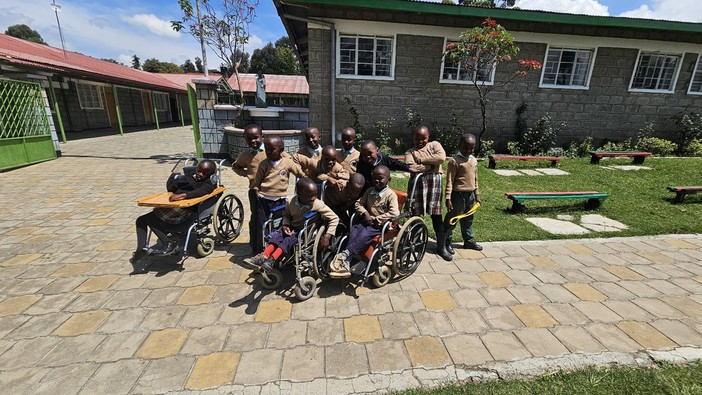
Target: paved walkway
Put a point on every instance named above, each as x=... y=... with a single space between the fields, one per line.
x=73 y=321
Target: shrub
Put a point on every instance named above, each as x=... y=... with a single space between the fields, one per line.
x=486 y=149
x=689 y=129
x=694 y=148
x=613 y=146
x=412 y=118
x=513 y=148
x=382 y=135
x=576 y=150
x=539 y=138
x=449 y=136
x=356 y=121
x=639 y=141
x=656 y=146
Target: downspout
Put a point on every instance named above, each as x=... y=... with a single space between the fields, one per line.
x=332 y=45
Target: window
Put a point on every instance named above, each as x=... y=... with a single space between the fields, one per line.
x=466 y=72
x=696 y=83
x=89 y=96
x=365 y=56
x=567 y=68
x=161 y=101
x=655 y=72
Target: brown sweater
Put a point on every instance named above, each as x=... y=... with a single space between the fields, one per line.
x=381 y=208
x=428 y=159
x=247 y=163
x=348 y=162
x=272 y=181
x=314 y=168
x=461 y=175
x=305 y=151
x=294 y=216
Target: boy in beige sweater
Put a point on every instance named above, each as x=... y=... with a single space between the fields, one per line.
x=324 y=168
x=348 y=156
x=312 y=148
x=246 y=165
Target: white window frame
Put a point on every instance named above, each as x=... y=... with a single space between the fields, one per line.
x=161 y=104
x=696 y=73
x=674 y=80
x=576 y=49
x=391 y=37
x=443 y=80
x=88 y=103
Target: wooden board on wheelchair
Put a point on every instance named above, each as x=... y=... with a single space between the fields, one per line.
x=161 y=200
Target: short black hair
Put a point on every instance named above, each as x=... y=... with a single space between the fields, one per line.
x=382 y=168
x=369 y=141
x=304 y=182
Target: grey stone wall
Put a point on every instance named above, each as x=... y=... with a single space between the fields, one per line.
x=212 y=138
x=131 y=106
x=80 y=119
x=607 y=110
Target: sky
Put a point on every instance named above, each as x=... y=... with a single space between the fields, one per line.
x=120 y=29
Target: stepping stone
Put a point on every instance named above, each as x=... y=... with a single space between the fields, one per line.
x=530 y=172
x=553 y=172
x=558 y=227
x=629 y=167
x=599 y=223
x=507 y=173
x=564 y=217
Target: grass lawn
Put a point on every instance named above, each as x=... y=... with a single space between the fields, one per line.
x=638 y=199
x=666 y=379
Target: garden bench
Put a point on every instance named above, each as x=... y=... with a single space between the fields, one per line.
x=681 y=192
x=593 y=198
x=637 y=155
x=494 y=158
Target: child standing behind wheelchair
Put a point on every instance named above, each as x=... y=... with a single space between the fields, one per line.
x=377 y=205
x=281 y=242
x=271 y=182
x=324 y=168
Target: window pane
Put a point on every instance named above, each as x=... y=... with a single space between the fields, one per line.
x=696 y=85
x=655 y=71
x=365 y=56
x=566 y=67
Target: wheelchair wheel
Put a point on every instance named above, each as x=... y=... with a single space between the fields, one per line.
x=305 y=289
x=410 y=245
x=205 y=246
x=323 y=258
x=382 y=276
x=272 y=279
x=228 y=216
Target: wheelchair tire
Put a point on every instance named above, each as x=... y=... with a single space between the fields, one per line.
x=305 y=289
x=228 y=217
x=271 y=279
x=382 y=276
x=205 y=246
x=410 y=246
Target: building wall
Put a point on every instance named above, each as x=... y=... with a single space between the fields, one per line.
x=131 y=106
x=607 y=110
x=81 y=119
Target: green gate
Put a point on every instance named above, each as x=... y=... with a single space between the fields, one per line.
x=25 y=134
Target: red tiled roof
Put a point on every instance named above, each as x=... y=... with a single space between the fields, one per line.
x=290 y=84
x=17 y=51
x=183 y=79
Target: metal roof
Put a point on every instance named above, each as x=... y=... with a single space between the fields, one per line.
x=275 y=83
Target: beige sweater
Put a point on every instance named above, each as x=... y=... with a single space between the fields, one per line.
x=428 y=159
x=461 y=175
x=381 y=208
x=246 y=164
x=294 y=216
x=272 y=181
x=314 y=168
x=348 y=162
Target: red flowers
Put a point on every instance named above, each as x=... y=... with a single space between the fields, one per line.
x=489 y=22
x=530 y=64
x=451 y=46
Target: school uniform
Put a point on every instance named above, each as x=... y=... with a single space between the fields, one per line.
x=309 y=151
x=366 y=169
x=429 y=190
x=294 y=218
x=246 y=165
x=382 y=206
x=316 y=170
x=348 y=159
x=461 y=188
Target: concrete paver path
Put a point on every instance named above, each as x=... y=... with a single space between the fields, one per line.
x=73 y=321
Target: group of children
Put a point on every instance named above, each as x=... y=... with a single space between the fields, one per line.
x=356 y=181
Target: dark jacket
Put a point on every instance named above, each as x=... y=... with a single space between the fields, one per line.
x=186 y=183
x=366 y=170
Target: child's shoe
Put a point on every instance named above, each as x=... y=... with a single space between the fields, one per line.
x=140 y=254
x=471 y=245
x=268 y=264
x=255 y=261
x=339 y=267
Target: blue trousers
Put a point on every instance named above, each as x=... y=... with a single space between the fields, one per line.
x=360 y=238
x=285 y=243
x=462 y=202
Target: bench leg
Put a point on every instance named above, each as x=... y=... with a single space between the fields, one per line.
x=639 y=160
x=554 y=163
x=517 y=207
x=491 y=164
x=594 y=160
x=679 y=197
x=593 y=203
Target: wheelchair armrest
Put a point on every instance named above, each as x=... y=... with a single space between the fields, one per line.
x=279 y=207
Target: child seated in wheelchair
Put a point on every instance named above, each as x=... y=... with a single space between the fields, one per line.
x=377 y=205
x=282 y=242
x=324 y=168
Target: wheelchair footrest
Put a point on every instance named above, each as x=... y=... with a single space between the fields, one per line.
x=358 y=268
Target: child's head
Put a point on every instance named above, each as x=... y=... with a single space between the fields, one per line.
x=355 y=185
x=348 y=138
x=369 y=152
x=274 y=147
x=329 y=157
x=204 y=170
x=467 y=144
x=381 y=177
x=312 y=137
x=421 y=137
x=306 y=190
x=254 y=135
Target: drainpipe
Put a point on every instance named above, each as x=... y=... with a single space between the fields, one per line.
x=332 y=45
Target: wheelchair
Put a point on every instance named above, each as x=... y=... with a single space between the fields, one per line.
x=220 y=212
x=301 y=257
x=396 y=251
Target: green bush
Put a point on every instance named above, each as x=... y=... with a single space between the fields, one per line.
x=449 y=136
x=639 y=142
x=613 y=146
x=656 y=146
x=577 y=150
x=382 y=134
x=689 y=129
x=538 y=139
x=694 y=148
x=513 y=148
x=486 y=149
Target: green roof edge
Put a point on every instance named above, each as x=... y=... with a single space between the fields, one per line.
x=511 y=14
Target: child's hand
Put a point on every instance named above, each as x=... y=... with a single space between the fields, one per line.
x=324 y=243
x=477 y=198
x=367 y=218
x=176 y=197
x=449 y=206
x=286 y=231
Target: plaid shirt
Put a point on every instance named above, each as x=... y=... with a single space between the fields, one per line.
x=174 y=215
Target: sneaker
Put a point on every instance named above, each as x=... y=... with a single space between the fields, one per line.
x=255 y=261
x=341 y=266
x=140 y=254
x=470 y=245
x=337 y=263
x=170 y=249
x=268 y=264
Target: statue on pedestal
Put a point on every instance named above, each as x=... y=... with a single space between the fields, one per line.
x=261 y=91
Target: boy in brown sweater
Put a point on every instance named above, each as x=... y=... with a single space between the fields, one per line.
x=462 y=192
x=271 y=181
x=324 y=168
x=246 y=165
x=343 y=202
x=281 y=242
x=348 y=156
x=312 y=148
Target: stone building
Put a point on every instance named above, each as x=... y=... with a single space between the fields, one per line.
x=605 y=77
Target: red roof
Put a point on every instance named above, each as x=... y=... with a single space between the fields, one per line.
x=290 y=84
x=26 y=53
x=187 y=78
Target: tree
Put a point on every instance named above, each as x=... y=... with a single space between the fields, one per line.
x=478 y=52
x=188 y=66
x=243 y=59
x=263 y=60
x=153 y=65
x=286 y=61
x=25 y=32
x=111 y=60
x=488 y=3
x=198 y=65
x=223 y=27
x=136 y=62
x=280 y=59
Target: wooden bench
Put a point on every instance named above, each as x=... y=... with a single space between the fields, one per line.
x=681 y=192
x=494 y=158
x=593 y=198
x=638 y=156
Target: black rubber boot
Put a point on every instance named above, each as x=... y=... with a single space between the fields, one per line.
x=441 y=247
x=449 y=246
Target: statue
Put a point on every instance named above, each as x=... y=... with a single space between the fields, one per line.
x=261 y=91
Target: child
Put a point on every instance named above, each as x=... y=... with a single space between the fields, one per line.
x=324 y=168
x=282 y=241
x=376 y=206
x=246 y=165
x=348 y=155
x=427 y=157
x=343 y=202
x=462 y=192
x=312 y=148
x=271 y=182
x=371 y=158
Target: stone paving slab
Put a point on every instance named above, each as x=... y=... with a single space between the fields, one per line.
x=73 y=321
